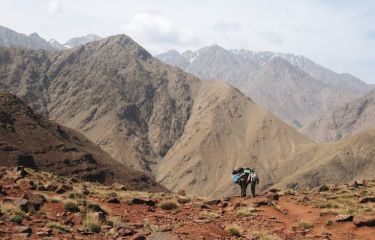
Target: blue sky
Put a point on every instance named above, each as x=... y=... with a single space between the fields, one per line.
x=338 y=34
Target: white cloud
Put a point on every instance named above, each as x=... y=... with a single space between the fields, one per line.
x=157 y=32
x=54 y=6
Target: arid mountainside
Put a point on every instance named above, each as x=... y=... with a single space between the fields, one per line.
x=113 y=91
x=28 y=139
x=346 y=120
x=292 y=87
x=188 y=133
x=337 y=162
x=227 y=130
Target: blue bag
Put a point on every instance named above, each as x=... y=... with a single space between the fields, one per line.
x=236 y=178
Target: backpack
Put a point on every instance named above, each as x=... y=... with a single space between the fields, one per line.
x=236 y=178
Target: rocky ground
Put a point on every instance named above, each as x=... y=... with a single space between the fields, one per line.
x=38 y=205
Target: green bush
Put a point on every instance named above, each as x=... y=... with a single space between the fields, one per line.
x=71 y=206
x=16 y=219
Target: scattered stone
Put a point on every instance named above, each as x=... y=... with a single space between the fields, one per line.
x=143 y=202
x=213 y=202
x=113 y=200
x=67 y=187
x=51 y=187
x=167 y=228
x=183 y=200
x=366 y=199
x=364 y=221
x=20 y=203
x=23 y=229
x=224 y=205
x=272 y=196
x=274 y=190
x=35 y=201
x=60 y=190
x=261 y=203
x=44 y=232
x=125 y=232
x=21 y=172
x=344 y=218
x=41 y=187
x=227 y=199
x=323 y=188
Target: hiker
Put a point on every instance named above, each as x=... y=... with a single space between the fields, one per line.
x=244 y=177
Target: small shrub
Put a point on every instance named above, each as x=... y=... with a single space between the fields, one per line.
x=58 y=226
x=96 y=208
x=246 y=211
x=208 y=215
x=16 y=219
x=91 y=224
x=168 y=205
x=234 y=231
x=329 y=223
x=265 y=236
x=74 y=195
x=305 y=225
x=55 y=200
x=71 y=206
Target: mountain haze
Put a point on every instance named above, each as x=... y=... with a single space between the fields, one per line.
x=294 y=88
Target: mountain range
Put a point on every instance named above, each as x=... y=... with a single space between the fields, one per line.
x=11 y=38
x=292 y=87
x=188 y=133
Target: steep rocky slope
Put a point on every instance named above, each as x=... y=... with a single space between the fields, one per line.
x=292 y=87
x=113 y=91
x=337 y=162
x=10 y=38
x=29 y=140
x=225 y=131
x=346 y=120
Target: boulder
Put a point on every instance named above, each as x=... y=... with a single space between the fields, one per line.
x=35 y=201
x=213 y=202
x=60 y=190
x=272 y=196
x=125 y=232
x=344 y=218
x=113 y=200
x=366 y=199
x=20 y=203
x=368 y=221
x=23 y=229
x=51 y=187
x=323 y=188
x=144 y=202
